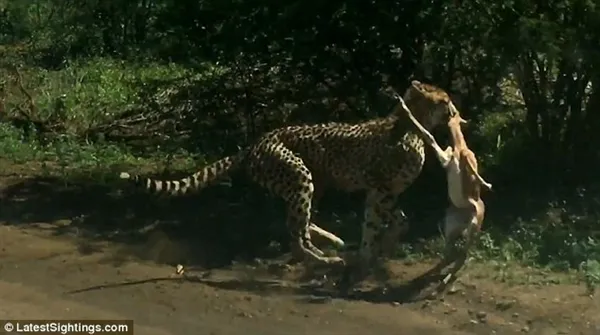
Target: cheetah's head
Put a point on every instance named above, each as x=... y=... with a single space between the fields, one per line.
x=430 y=105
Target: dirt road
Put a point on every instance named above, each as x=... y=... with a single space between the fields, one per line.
x=39 y=273
x=38 y=270
x=52 y=267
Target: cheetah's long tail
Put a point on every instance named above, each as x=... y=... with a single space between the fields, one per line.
x=194 y=182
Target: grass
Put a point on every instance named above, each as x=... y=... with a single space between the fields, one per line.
x=91 y=93
x=548 y=249
x=85 y=94
x=95 y=91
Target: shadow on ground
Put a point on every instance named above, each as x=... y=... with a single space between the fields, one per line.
x=214 y=222
x=313 y=291
x=210 y=228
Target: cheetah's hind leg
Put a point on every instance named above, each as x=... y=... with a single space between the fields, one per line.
x=295 y=186
x=298 y=253
x=328 y=235
x=298 y=221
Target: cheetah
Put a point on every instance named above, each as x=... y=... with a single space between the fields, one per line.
x=382 y=156
x=464 y=216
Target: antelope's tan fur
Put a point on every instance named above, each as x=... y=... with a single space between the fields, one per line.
x=464 y=215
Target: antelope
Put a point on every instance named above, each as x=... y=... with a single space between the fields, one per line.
x=464 y=216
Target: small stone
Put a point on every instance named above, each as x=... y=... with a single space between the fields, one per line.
x=525 y=329
x=314 y=283
x=315 y=299
x=474 y=322
x=505 y=304
x=63 y=222
x=451 y=310
x=470 y=286
x=453 y=290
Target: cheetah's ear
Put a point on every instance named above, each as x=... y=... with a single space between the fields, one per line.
x=416 y=84
x=414 y=90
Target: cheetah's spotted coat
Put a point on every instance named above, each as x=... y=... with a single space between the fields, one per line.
x=382 y=156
